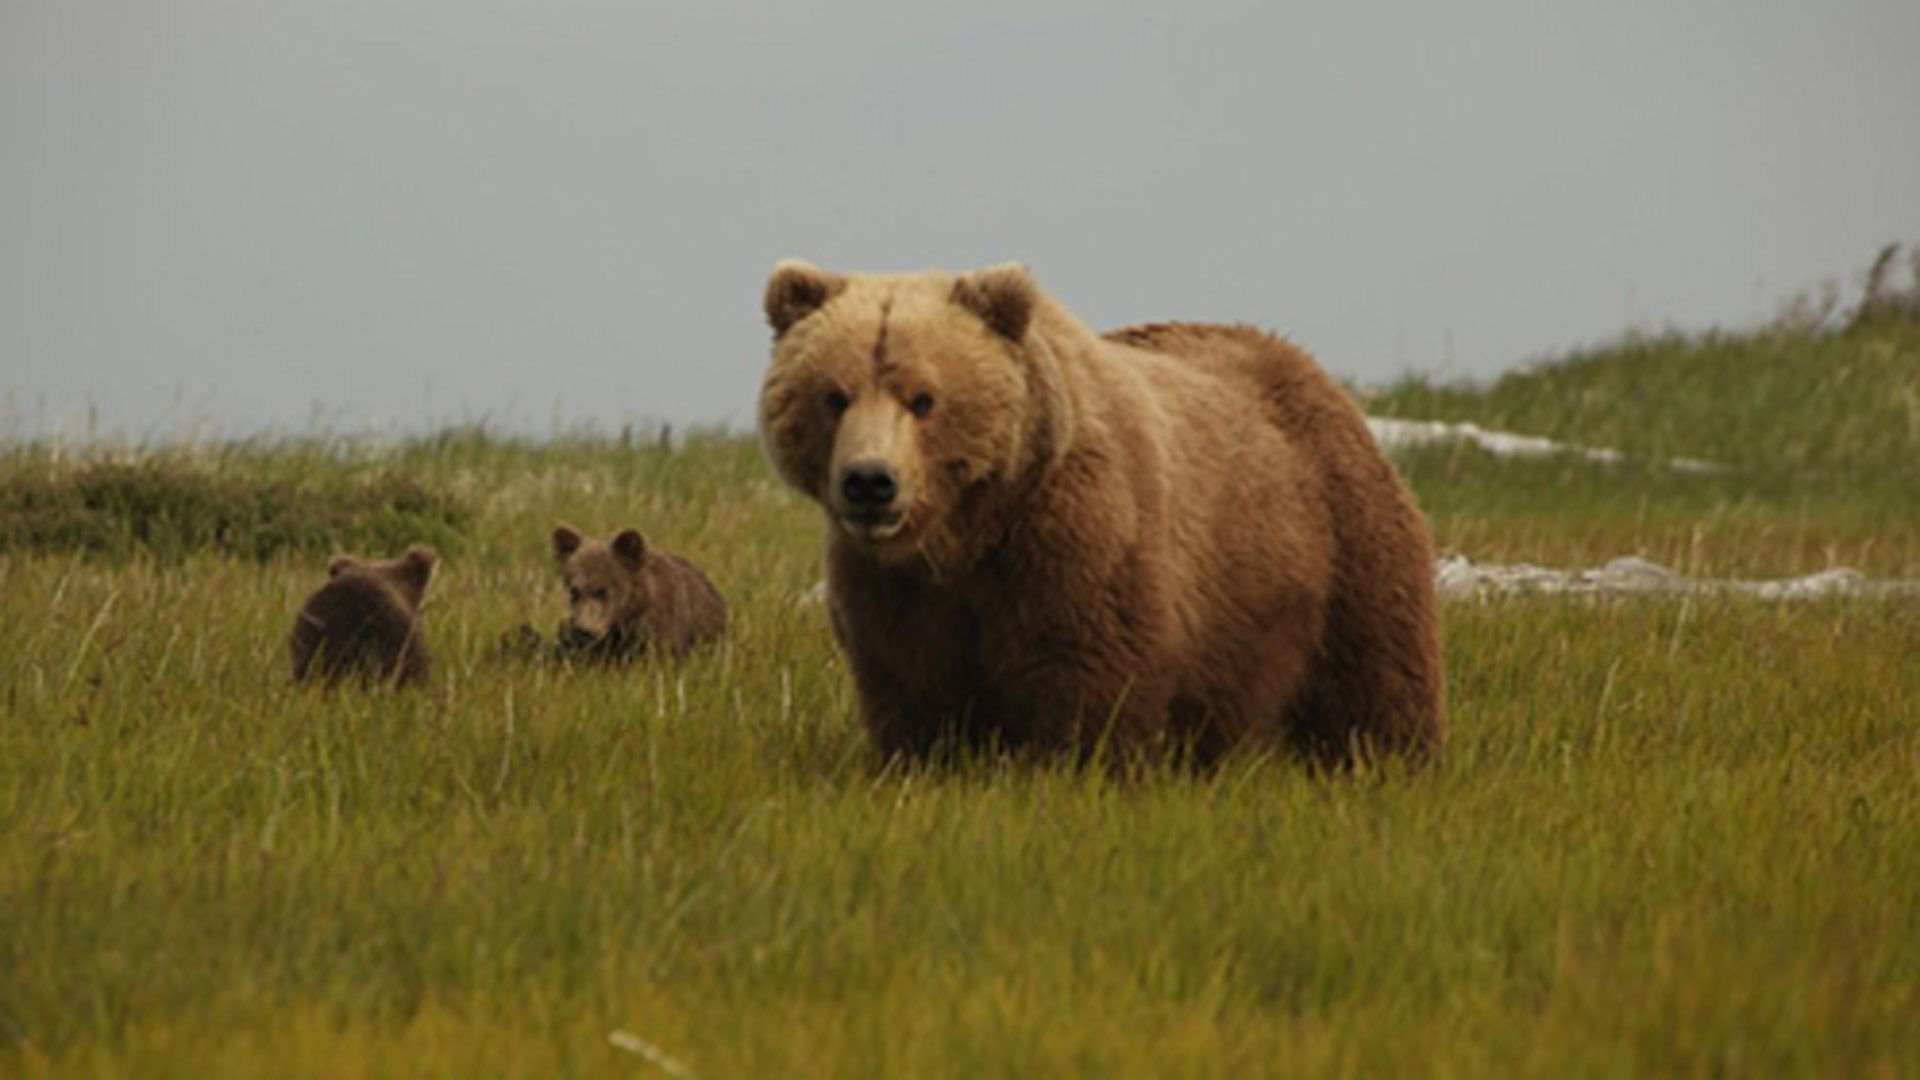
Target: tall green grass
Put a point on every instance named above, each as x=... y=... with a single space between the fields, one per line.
x=1668 y=836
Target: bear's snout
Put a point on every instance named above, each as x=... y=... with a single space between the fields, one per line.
x=868 y=488
x=572 y=635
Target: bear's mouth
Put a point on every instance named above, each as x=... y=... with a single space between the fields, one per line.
x=573 y=639
x=572 y=635
x=872 y=525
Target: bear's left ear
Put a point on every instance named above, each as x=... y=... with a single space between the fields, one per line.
x=340 y=565
x=1003 y=296
x=630 y=546
x=796 y=290
x=416 y=566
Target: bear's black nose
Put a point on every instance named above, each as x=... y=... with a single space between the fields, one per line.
x=868 y=485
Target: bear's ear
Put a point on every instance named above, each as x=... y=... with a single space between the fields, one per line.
x=566 y=541
x=341 y=564
x=1003 y=296
x=630 y=546
x=416 y=566
x=796 y=290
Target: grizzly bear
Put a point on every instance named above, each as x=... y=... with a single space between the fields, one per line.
x=365 y=622
x=625 y=600
x=1173 y=539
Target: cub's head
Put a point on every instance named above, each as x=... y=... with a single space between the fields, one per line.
x=605 y=600
x=893 y=400
x=408 y=574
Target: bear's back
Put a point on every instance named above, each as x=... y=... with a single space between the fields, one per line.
x=1297 y=395
x=1381 y=616
x=686 y=607
x=356 y=624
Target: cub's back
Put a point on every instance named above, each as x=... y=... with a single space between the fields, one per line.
x=695 y=609
x=356 y=625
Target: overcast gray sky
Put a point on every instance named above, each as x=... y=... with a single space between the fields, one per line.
x=248 y=215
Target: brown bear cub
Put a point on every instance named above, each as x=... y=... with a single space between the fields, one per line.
x=1171 y=539
x=625 y=600
x=365 y=622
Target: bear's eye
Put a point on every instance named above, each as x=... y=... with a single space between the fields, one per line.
x=573 y=594
x=921 y=405
x=599 y=594
x=837 y=402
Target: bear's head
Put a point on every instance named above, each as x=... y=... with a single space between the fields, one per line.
x=407 y=575
x=899 y=402
x=606 y=602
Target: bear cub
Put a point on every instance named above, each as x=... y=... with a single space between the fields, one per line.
x=625 y=599
x=364 y=622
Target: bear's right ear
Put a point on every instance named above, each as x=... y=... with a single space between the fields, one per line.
x=340 y=565
x=796 y=290
x=566 y=541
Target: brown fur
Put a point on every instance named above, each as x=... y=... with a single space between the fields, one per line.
x=1171 y=537
x=365 y=622
x=625 y=599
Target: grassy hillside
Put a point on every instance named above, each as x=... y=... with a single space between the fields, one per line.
x=1781 y=404
x=1819 y=434
x=1669 y=836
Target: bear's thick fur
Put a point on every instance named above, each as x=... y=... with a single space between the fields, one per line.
x=625 y=600
x=365 y=622
x=1174 y=537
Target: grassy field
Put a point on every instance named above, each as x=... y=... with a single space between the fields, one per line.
x=1669 y=837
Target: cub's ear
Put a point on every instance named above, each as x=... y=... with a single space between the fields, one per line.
x=1003 y=296
x=416 y=566
x=630 y=546
x=341 y=564
x=796 y=290
x=566 y=541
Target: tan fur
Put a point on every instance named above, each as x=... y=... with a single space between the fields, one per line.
x=625 y=599
x=365 y=622
x=1171 y=537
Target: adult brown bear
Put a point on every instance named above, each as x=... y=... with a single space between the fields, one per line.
x=1173 y=537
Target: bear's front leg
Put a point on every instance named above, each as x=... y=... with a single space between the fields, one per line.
x=1079 y=679
x=1077 y=635
x=1069 y=702
x=920 y=723
x=912 y=655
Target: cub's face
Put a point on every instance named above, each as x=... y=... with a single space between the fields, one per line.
x=891 y=399
x=605 y=602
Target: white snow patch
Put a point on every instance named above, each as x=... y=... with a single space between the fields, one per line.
x=1457 y=577
x=1397 y=434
